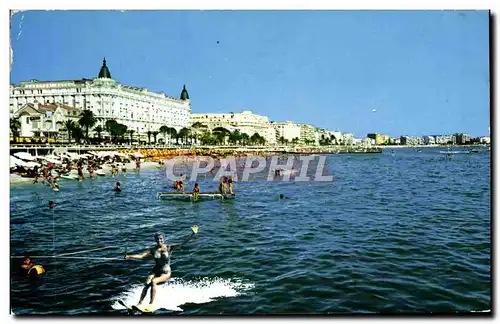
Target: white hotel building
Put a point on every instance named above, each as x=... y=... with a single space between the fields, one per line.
x=245 y=122
x=138 y=108
x=288 y=130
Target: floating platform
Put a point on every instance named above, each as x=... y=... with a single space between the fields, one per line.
x=189 y=195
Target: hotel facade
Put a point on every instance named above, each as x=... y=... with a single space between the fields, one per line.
x=139 y=109
x=246 y=122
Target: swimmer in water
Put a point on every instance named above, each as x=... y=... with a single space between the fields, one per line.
x=118 y=187
x=27 y=265
x=161 y=272
x=52 y=204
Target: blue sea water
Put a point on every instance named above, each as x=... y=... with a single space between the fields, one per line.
x=408 y=232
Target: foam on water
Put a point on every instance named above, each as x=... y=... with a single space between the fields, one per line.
x=178 y=292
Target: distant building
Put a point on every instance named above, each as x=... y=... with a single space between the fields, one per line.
x=484 y=140
x=246 y=122
x=307 y=134
x=367 y=142
x=348 y=138
x=395 y=140
x=286 y=130
x=411 y=140
x=380 y=139
x=445 y=139
x=429 y=140
x=463 y=138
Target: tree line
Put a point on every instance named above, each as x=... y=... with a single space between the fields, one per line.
x=198 y=133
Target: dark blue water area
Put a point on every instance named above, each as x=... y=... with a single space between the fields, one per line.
x=407 y=232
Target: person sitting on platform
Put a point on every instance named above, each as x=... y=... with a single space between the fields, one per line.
x=230 y=184
x=196 y=191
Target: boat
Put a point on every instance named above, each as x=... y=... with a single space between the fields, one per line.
x=189 y=195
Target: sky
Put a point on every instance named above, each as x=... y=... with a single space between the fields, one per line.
x=390 y=72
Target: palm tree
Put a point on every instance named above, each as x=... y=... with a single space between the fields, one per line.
x=149 y=137
x=87 y=120
x=164 y=131
x=172 y=132
x=245 y=138
x=77 y=133
x=110 y=126
x=155 y=133
x=197 y=129
x=98 y=129
x=235 y=137
x=221 y=133
x=281 y=140
x=15 y=128
x=120 y=130
x=207 y=139
x=131 y=133
x=184 y=133
x=69 y=125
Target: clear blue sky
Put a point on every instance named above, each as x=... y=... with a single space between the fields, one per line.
x=424 y=72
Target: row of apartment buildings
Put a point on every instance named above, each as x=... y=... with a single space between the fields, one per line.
x=43 y=106
x=381 y=139
x=273 y=132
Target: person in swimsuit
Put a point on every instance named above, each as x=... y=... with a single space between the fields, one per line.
x=230 y=184
x=196 y=191
x=223 y=186
x=26 y=265
x=161 y=271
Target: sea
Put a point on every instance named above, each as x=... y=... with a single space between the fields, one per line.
x=405 y=231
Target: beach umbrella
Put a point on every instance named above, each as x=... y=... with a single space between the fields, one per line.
x=31 y=164
x=16 y=162
x=52 y=159
x=25 y=156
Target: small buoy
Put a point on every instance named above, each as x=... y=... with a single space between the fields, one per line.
x=36 y=270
